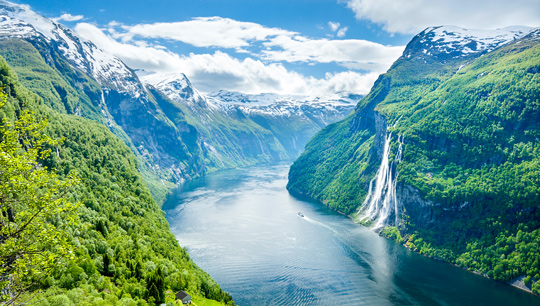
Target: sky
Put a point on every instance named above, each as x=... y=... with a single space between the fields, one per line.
x=294 y=47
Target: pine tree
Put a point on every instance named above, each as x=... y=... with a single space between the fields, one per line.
x=156 y=285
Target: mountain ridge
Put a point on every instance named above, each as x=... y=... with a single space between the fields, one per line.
x=172 y=147
x=290 y=119
x=462 y=124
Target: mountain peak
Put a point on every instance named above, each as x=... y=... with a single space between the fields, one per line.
x=20 y=21
x=174 y=84
x=454 y=42
x=22 y=12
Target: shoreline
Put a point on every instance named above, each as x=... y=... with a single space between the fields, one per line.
x=516 y=283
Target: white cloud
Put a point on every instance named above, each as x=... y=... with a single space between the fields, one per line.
x=406 y=16
x=277 y=44
x=373 y=56
x=334 y=26
x=68 y=17
x=208 y=32
x=138 y=55
x=342 y=32
x=253 y=76
x=211 y=72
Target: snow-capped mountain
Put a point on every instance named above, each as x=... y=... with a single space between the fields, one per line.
x=120 y=99
x=266 y=99
x=175 y=85
x=18 y=21
x=454 y=42
x=178 y=88
x=322 y=110
x=292 y=120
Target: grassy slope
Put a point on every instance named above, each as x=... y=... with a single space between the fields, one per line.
x=227 y=141
x=120 y=219
x=471 y=136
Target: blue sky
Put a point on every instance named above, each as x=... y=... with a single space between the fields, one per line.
x=282 y=46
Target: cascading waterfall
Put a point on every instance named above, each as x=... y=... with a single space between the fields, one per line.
x=381 y=202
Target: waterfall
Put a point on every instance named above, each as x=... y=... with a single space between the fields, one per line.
x=381 y=202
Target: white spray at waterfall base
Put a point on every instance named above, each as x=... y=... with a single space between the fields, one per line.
x=381 y=202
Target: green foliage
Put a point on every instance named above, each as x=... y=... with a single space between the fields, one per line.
x=34 y=214
x=156 y=285
x=471 y=131
x=63 y=88
x=335 y=179
x=123 y=236
x=393 y=233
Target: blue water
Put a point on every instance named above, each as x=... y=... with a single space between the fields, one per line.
x=242 y=227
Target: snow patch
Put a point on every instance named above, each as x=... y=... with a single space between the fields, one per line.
x=19 y=21
x=452 y=39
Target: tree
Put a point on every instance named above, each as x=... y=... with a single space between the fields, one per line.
x=156 y=285
x=33 y=211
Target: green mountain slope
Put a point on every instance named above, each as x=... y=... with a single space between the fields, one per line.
x=467 y=188
x=174 y=142
x=123 y=240
x=225 y=141
x=70 y=91
x=61 y=87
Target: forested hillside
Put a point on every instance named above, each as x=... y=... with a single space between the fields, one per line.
x=466 y=187
x=123 y=250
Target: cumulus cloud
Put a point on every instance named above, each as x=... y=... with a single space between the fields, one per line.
x=253 y=76
x=68 y=17
x=405 y=16
x=210 y=72
x=342 y=32
x=207 y=32
x=137 y=55
x=334 y=26
x=372 y=56
x=281 y=45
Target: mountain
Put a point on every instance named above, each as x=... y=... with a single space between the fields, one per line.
x=176 y=133
x=443 y=154
x=75 y=77
x=120 y=239
x=455 y=42
x=279 y=125
x=128 y=142
x=95 y=84
x=292 y=120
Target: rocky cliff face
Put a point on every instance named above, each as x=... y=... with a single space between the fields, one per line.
x=439 y=153
x=176 y=132
x=279 y=126
x=415 y=207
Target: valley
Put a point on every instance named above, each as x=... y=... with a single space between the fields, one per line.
x=241 y=163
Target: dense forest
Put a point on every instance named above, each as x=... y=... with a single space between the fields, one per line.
x=105 y=241
x=469 y=178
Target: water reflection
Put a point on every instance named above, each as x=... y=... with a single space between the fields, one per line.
x=243 y=228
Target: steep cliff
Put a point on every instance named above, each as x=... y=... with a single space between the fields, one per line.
x=176 y=133
x=120 y=238
x=442 y=154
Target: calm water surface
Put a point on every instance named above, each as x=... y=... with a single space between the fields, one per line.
x=242 y=227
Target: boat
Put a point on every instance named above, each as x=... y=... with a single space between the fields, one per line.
x=300 y=215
